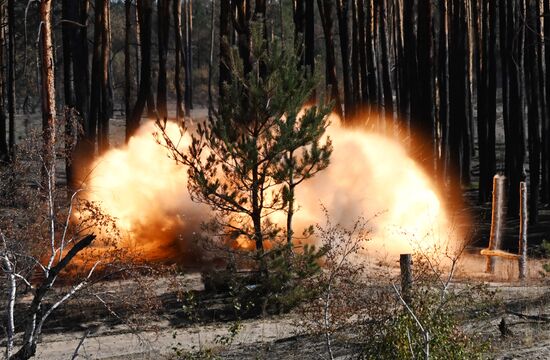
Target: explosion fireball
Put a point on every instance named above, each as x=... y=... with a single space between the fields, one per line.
x=370 y=175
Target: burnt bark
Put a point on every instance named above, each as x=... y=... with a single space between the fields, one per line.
x=178 y=81
x=11 y=75
x=224 y=38
x=326 y=13
x=145 y=9
x=342 y=7
x=163 y=13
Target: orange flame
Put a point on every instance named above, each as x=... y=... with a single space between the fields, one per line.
x=370 y=175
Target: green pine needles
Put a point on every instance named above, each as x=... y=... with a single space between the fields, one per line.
x=259 y=146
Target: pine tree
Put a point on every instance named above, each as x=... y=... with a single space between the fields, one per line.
x=259 y=146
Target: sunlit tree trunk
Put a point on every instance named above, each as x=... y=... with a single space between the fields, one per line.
x=48 y=89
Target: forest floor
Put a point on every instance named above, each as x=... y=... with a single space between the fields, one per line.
x=281 y=337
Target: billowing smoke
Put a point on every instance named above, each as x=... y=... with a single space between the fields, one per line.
x=370 y=176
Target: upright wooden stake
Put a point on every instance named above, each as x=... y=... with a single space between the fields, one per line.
x=405 y=262
x=496 y=220
x=522 y=260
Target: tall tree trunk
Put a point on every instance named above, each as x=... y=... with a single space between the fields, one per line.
x=457 y=86
x=298 y=16
x=178 y=81
x=491 y=97
x=516 y=150
x=533 y=115
x=48 y=89
x=11 y=75
x=70 y=13
x=128 y=82
x=225 y=50
x=309 y=36
x=384 y=57
x=211 y=57
x=97 y=72
x=325 y=11
x=546 y=124
x=442 y=88
x=342 y=7
x=485 y=176
x=355 y=50
x=4 y=152
x=410 y=62
x=163 y=13
x=424 y=120
x=188 y=24
x=362 y=39
x=145 y=9
x=106 y=86
x=542 y=104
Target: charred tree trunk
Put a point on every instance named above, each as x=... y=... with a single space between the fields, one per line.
x=342 y=7
x=309 y=37
x=128 y=88
x=325 y=11
x=106 y=103
x=81 y=82
x=298 y=16
x=163 y=12
x=145 y=9
x=363 y=49
x=4 y=152
x=178 y=81
x=442 y=87
x=457 y=68
x=70 y=13
x=491 y=96
x=516 y=150
x=424 y=120
x=384 y=57
x=225 y=51
x=485 y=176
x=11 y=75
x=546 y=124
x=188 y=25
x=410 y=62
x=533 y=115
x=355 y=50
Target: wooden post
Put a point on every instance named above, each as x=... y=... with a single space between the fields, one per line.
x=405 y=262
x=496 y=220
x=522 y=259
